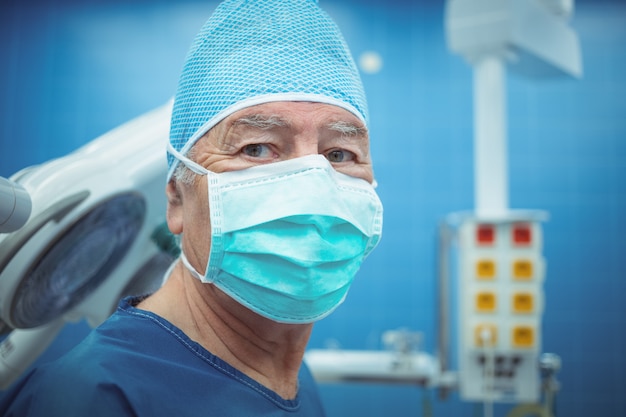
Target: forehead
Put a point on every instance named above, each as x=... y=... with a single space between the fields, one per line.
x=296 y=112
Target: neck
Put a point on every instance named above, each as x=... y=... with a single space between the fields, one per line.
x=269 y=352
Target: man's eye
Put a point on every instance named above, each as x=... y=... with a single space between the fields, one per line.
x=339 y=155
x=256 y=150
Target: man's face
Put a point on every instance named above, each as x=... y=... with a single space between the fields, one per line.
x=263 y=134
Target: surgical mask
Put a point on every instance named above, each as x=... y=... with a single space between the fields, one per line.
x=287 y=238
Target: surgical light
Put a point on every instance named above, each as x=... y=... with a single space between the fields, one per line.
x=96 y=233
x=78 y=262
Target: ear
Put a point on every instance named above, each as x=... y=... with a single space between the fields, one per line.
x=174 y=208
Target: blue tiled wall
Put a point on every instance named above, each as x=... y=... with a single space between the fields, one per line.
x=71 y=70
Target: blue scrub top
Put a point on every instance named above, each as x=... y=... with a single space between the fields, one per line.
x=138 y=364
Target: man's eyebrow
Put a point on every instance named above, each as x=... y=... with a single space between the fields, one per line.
x=347 y=128
x=260 y=121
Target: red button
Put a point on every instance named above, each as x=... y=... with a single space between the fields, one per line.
x=485 y=234
x=522 y=234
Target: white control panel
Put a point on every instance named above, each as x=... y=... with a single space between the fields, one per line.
x=501 y=301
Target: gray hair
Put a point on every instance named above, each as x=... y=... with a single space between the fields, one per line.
x=182 y=174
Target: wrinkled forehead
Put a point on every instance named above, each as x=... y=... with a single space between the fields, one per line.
x=289 y=114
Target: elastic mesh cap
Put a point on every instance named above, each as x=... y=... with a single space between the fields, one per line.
x=257 y=51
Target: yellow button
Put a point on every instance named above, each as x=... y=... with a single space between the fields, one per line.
x=523 y=336
x=523 y=302
x=485 y=269
x=522 y=269
x=485 y=302
x=485 y=335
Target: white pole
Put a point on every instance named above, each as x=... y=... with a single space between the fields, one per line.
x=490 y=150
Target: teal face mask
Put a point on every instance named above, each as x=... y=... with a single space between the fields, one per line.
x=287 y=238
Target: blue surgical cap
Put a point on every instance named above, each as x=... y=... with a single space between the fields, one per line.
x=258 y=51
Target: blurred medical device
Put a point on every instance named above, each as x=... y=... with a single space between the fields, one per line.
x=78 y=233
x=499 y=251
x=15 y=206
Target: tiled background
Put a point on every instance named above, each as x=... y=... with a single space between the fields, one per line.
x=72 y=70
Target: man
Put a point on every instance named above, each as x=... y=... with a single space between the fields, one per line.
x=269 y=187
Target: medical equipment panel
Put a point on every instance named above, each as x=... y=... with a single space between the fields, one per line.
x=500 y=306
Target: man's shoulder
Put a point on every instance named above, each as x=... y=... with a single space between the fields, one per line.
x=129 y=339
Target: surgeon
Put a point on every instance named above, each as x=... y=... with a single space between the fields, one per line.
x=270 y=189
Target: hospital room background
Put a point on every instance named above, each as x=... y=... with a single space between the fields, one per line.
x=72 y=70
